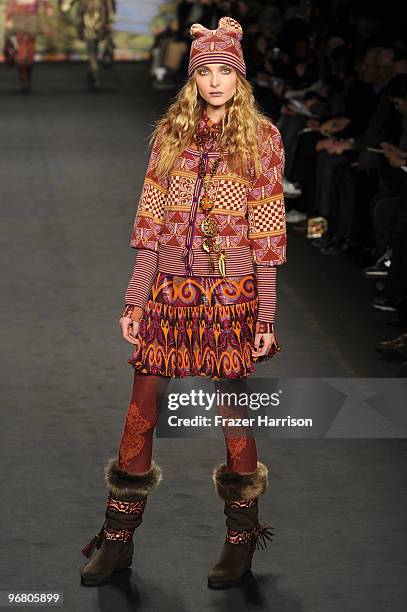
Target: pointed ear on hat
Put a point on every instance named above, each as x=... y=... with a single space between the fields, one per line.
x=232 y=27
x=197 y=30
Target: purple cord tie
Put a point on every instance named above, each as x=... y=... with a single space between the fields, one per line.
x=188 y=257
x=187 y=254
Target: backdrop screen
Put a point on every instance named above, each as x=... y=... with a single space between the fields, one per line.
x=135 y=24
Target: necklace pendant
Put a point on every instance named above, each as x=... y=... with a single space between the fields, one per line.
x=221 y=264
x=206 y=245
x=212 y=263
x=209 y=227
x=216 y=245
x=206 y=203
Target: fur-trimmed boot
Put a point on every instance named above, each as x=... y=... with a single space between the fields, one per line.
x=240 y=492
x=124 y=513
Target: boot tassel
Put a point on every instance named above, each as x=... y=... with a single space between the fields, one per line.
x=262 y=534
x=95 y=542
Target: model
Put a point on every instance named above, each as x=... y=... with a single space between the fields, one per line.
x=95 y=18
x=23 y=18
x=209 y=232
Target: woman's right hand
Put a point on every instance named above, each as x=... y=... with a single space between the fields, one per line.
x=130 y=329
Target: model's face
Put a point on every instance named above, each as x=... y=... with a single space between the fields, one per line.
x=216 y=83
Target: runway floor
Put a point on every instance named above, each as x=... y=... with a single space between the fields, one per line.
x=72 y=168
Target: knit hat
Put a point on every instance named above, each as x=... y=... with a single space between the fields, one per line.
x=221 y=46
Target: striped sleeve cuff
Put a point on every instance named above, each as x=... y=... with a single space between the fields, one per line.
x=266 y=288
x=140 y=284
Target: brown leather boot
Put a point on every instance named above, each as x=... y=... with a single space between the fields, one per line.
x=124 y=513
x=240 y=493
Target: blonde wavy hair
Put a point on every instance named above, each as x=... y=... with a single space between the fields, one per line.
x=240 y=125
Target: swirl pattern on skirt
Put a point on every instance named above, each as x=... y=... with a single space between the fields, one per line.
x=199 y=326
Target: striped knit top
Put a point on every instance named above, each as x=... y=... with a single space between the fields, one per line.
x=250 y=215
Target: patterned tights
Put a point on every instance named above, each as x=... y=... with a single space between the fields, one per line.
x=26 y=49
x=135 y=449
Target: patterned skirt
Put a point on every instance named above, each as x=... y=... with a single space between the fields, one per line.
x=28 y=24
x=199 y=326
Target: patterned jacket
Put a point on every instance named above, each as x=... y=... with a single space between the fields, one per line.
x=249 y=212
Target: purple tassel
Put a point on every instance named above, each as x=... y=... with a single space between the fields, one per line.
x=95 y=542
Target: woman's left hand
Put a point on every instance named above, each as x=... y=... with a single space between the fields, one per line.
x=268 y=339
